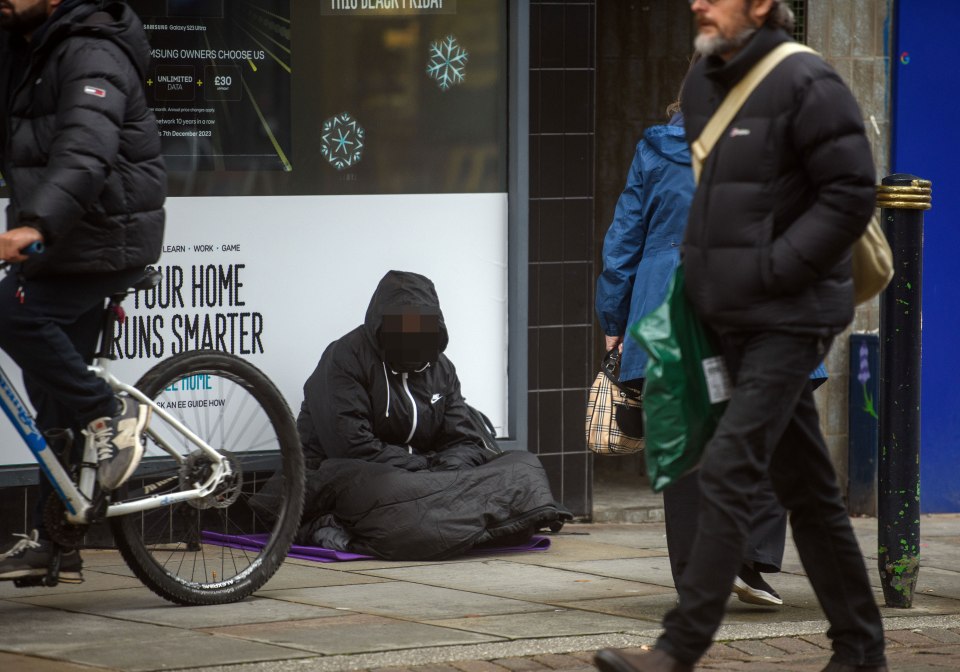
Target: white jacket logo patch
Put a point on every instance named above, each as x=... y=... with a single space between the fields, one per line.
x=737 y=132
x=435 y=398
x=95 y=91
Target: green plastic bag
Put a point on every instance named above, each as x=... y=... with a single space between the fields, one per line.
x=686 y=386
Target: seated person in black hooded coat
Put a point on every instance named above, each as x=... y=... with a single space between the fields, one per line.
x=406 y=468
x=386 y=393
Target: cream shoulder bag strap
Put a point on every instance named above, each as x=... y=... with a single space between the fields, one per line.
x=738 y=95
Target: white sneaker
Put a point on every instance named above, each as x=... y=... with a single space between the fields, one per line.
x=118 y=442
x=757 y=591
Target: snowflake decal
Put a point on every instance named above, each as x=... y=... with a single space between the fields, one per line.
x=447 y=62
x=342 y=141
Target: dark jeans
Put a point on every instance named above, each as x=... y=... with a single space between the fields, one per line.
x=771 y=427
x=52 y=335
x=768 y=528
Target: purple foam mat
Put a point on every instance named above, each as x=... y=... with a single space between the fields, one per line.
x=255 y=542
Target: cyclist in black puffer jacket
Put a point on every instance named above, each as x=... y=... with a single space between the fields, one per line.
x=80 y=153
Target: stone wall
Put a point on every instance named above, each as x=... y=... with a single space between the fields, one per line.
x=853 y=35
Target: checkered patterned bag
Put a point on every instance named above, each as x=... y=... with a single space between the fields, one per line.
x=614 y=422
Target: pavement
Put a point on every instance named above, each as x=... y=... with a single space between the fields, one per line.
x=599 y=585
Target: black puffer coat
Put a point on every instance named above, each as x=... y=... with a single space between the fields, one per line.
x=82 y=151
x=355 y=406
x=787 y=190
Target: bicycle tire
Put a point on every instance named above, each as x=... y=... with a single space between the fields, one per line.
x=170 y=549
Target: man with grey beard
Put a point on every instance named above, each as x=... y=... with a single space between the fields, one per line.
x=783 y=195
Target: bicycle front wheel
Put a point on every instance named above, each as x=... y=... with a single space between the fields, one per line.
x=224 y=546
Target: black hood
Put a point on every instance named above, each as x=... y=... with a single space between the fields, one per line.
x=115 y=21
x=398 y=290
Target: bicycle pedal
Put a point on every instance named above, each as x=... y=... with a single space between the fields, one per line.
x=52 y=577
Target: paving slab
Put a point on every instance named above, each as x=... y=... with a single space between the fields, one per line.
x=407 y=600
x=99 y=558
x=557 y=622
x=515 y=580
x=576 y=548
x=648 y=570
x=179 y=649
x=354 y=633
x=124 y=645
x=363 y=565
x=924 y=604
x=938 y=525
x=143 y=606
x=940 y=553
x=650 y=609
x=29 y=628
x=93 y=581
x=292 y=576
x=631 y=536
x=647 y=610
x=19 y=663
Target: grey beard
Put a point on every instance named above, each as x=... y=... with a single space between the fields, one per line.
x=716 y=45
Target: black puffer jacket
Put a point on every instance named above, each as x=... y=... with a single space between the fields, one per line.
x=787 y=190
x=82 y=151
x=355 y=406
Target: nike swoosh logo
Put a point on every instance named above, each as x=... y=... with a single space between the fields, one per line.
x=435 y=398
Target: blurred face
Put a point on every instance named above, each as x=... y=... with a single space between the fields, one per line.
x=410 y=340
x=25 y=16
x=724 y=26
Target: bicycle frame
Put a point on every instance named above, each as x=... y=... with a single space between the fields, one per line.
x=78 y=501
x=78 y=498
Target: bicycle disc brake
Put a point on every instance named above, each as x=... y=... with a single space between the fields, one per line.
x=66 y=534
x=197 y=468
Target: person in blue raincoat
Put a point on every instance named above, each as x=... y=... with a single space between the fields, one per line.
x=641 y=251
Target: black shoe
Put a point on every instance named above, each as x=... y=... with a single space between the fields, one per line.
x=118 y=442
x=750 y=587
x=31 y=557
x=615 y=660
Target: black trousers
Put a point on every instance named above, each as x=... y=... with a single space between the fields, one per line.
x=49 y=327
x=771 y=427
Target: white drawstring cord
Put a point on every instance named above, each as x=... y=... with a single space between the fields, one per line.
x=386 y=380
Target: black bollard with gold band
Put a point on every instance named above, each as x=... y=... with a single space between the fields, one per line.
x=902 y=200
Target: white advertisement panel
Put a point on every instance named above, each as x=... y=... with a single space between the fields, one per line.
x=310 y=148
x=276 y=279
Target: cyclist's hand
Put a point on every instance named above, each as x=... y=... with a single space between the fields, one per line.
x=15 y=240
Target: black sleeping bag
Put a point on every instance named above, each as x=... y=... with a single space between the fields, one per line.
x=395 y=514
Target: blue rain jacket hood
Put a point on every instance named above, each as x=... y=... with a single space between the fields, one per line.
x=641 y=249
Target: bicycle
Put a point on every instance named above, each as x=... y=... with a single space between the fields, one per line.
x=184 y=522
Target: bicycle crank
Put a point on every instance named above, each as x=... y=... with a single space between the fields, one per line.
x=62 y=532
